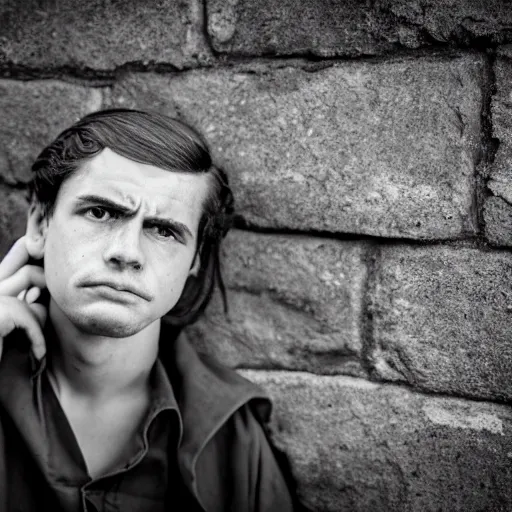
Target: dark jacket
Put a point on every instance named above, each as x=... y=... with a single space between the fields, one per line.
x=224 y=458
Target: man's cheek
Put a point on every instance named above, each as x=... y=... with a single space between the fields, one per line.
x=169 y=295
x=55 y=272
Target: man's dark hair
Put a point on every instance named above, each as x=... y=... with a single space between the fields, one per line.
x=154 y=139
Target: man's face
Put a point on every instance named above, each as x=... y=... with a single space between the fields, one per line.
x=120 y=244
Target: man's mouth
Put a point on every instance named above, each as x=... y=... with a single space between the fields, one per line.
x=119 y=287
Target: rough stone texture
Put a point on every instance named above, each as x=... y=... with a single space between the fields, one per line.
x=329 y=28
x=294 y=302
x=13 y=214
x=441 y=320
x=362 y=447
x=498 y=221
x=33 y=113
x=498 y=209
x=383 y=148
x=502 y=113
x=101 y=34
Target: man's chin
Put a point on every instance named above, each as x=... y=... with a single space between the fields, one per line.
x=106 y=326
x=101 y=319
x=108 y=329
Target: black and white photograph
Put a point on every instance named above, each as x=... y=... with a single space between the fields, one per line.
x=255 y=256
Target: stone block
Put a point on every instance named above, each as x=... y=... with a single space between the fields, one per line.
x=329 y=28
x=33 y=114
x=101 y=34
x=13 y=217
x=359 y=446
x=497 y=214
x=294 y=302
x=498 y=221
x=381 y=148
x=441 y=320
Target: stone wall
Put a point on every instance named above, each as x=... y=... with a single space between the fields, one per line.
x=369 y=145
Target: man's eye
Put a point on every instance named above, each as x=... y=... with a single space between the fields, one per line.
x=98 y=213
x=163 y=231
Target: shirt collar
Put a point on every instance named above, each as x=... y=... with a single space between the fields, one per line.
x=162 y=394
x=208 y=394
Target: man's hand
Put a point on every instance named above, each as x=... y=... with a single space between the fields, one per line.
x=20 y=286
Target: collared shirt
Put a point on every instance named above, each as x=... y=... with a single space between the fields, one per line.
x=141 y=484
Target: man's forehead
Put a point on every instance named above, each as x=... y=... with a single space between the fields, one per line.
x=135 y=199
x=135 y=184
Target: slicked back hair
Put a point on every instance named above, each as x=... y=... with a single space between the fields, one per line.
x=154 y=139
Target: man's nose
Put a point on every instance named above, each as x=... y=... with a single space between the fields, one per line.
x=123 y=248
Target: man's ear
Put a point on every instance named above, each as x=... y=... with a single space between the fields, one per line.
x=37 y=226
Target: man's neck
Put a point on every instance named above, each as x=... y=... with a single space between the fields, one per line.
x=98 y=368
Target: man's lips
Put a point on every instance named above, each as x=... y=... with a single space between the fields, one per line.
x=120 y=287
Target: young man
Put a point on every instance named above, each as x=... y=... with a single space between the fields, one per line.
x=102 y=406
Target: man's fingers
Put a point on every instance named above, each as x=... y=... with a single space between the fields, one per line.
x=15 y=314
x=40 y=311
x=16 y=258
x=32 y=295
x=25 y=278
x=20 y=287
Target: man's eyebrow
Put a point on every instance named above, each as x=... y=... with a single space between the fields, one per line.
x=125 y=210
x=108 y=203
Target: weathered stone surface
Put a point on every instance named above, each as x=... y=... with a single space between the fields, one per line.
x=358 y=446
x=498 y=221
x=441 y=320
x=384 y=148
x=498 y=209
x=13 y=217
x=330 y=28
x=101 y=34
x=502 y=112
x=294 y=302
x=33 y=113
